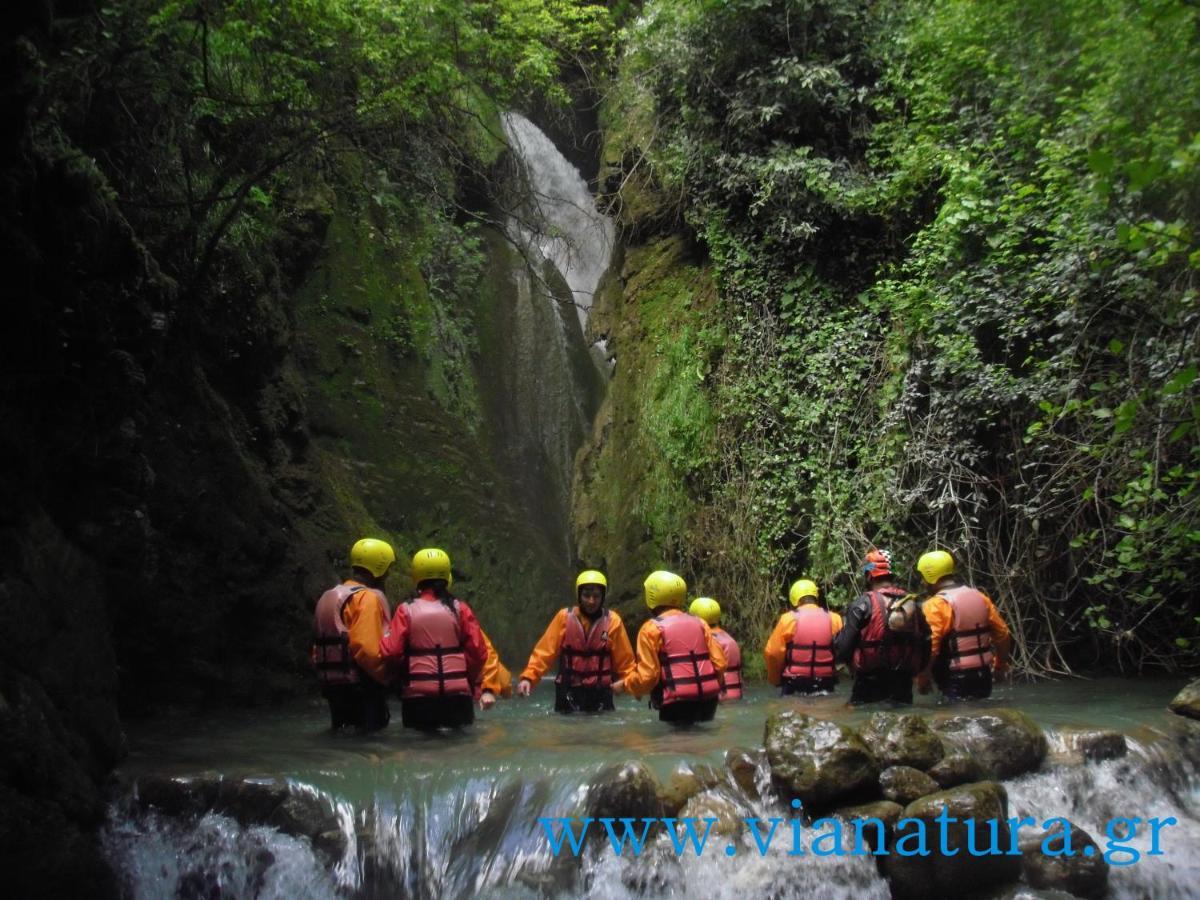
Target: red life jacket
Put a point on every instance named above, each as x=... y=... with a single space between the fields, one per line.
x=585 y=658
x=331 y=639
x=882 y=648
x=731 y=687
x=969 y=642
x=435 y=662
x=688 y=672
x=810 y=650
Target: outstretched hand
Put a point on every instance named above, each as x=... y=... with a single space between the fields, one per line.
x=524 y=687
x=487 y=700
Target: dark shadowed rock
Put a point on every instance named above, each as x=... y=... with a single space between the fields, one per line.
x=1084 y=874
x=902 y=739
x=885 y=811
x=1004 y=741
x=622 y=791
x=818 y=761
x=904 y=784
x=181 y=795
x=1098 y=745
x=743 y=766
x=955 y=769
x=958 y=871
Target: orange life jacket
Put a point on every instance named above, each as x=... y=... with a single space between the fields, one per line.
x=969 y=641
x=331 y=639
x=435 y=662
x=585 y=658
x=810 y=650
x=880 y=647
x=688 y=672
x=731 y=688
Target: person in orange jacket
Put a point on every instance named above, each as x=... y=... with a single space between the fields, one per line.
x=348 y=624
x=496 y=679
x=592 y=646
x=679 y=662
x=438 y=647
x=709 y=610
x=970 y=639
x=799 y=652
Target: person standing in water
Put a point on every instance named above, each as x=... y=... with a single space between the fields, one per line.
x=970 y=638
x=709 y=610
x=348 y=624
x=591 y=645
x=438 y=648
x=799 y=652
x=679 y=662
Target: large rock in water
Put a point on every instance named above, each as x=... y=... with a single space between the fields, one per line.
x=1004 y=741
x=958 y=871
x=1187 y=701
x=818 y=761
x=904 y=784
x=902 y=740
x=624 y=791
x=1083 y=874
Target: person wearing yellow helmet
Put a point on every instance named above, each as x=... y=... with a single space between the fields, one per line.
x=970 y=639
x=885 y=638
x=709 y=610
x=799 y=652
x=591 y=645
x=348 y=626
x=679 y=662
x=438 y=647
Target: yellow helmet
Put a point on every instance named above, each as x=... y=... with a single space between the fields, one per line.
x=707 y=609
x=373 y=555
x=935 y=565
x=431 y=564
x=591 y=576
x=665 y=589
x=801 y=589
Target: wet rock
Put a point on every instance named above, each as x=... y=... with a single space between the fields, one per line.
x=623 y=791
x=818 y=761
x=1099 y=745
x=743 y=766
x=885 y=811
x=958 y=871
x=1187 y=701
x=956 y=769
x=250 y=801
x=902 y=740
x=304 y=813
x=684 y=783
x=178 y=796
x=715 y=804
x=1004 y=741
x=1084 y=874
x=904 y=784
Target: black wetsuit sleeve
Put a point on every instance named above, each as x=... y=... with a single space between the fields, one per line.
x=846 y=641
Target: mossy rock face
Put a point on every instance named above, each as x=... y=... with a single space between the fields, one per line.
x=818 y=761
x=624 y=791
x=886 y=811
x=904 y=784
x=1006 y=742
x=1083 y=874
x=1187 y=701
x=957 y=872
x=685 y=783
x=715 y=804
x=902 y=740
x=955 y=769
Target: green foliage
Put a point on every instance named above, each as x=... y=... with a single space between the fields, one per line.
x=957 y=252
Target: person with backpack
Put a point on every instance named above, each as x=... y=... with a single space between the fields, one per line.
x=970 y=638
x=799 y=652
x=438 y=648
x=885 y=638
x=348 y=625
x=679 y=662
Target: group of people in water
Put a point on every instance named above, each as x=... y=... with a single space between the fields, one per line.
x=432 y=651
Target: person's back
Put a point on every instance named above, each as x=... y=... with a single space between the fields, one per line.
x=709 y=610
x=439 y=648
x=348 y=625
x=970 y=639
x=799 y=652
x=680 y=664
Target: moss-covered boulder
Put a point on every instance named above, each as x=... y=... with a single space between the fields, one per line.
x=859 y=817
x=716 y=804
x=1004 y=741
x=904 y=784
x=622 y=791
x=1082 y=874
x=685 y=783
x=955 y=769
x=966 y=844
x=902 y=740
x=1187 y=701
x=818 y=761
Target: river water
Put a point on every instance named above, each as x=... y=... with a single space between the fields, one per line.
x=457 y=814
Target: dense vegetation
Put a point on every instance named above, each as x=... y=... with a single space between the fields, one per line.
x=956 y=252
